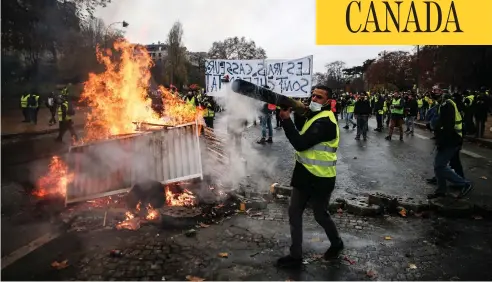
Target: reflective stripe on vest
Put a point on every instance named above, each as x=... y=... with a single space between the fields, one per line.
x=470 y=97
x=385 y=106
x=458 y=122
x=396 y=111
x=24 y=101
x=320 y=160
x=60 y=112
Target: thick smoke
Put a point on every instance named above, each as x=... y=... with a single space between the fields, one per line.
x=247 y=168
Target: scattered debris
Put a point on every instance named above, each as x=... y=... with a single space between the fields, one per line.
x=483 y=177
x=402 y=211
x=194 y=278
x=154 y=266
x=190 y=233
x=387 y=238
x=223 y=255
x=315 y=240
x=412 y=266
x=256 y=214
x=370 y=273
x=203 y=225
x=163 y=278
x=352 y=262
x=355 y=158
x=477 y=217
x=131 y=224
x=116 y=253
x=59 y=265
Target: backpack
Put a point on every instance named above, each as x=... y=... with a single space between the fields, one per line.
x=70 y=109
x=31 y=101
x=431 y=116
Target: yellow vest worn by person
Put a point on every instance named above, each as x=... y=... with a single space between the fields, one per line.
x=60 y=112
x=351 y=106
x=24 y=100
x=395 y=110
x=321 y=159
x=420 y=103
x=458 y=124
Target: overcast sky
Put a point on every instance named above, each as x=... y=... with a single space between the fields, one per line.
x=284 y=28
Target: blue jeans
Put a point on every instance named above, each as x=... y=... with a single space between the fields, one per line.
x=421 y=113
x=348 y=118
x=444 y=172
x=266 y=121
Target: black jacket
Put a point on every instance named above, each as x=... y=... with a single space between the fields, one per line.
x=379 y=105
x=412 y=107
x=362 y=107
x=321 y=130
x=446 y=135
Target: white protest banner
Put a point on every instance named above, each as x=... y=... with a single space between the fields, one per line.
x=288 y=77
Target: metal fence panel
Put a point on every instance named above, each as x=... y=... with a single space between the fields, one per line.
x=112 y=166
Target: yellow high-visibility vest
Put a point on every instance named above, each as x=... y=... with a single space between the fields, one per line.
x=321 y=159
x=395 y=110
x=420 y=103
x=60 y=112
x=24 y=101
x=458 y=122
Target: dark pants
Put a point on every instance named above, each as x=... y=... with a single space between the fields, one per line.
x=442 y=170
x=277 y=118
x=25 y=113
x=469 y=126
x=209 y=121
x=379 y=120
x=33 y=115
x=480 y=127
x=53 y=114
x=319 y=198
x=362 y=125
x=64 y=126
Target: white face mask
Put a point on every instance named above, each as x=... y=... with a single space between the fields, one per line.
x=315 y=107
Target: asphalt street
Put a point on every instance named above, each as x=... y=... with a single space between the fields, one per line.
x=419 y=249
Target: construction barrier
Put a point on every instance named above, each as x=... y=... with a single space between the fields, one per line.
x=112 y=166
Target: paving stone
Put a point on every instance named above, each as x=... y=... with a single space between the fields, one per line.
x=360 y=206
x=452 y=207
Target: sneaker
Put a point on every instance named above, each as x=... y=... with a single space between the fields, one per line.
x=411 y=133
x=269 y=140
x=354 y=126
x=334 y=251
x=357 y=138
x=261 y=141
x=365 y=138
x=387 y=138
x=289 y=261
x=435 y=196
x=407 y=131
x=401 y=138
x=468 y=187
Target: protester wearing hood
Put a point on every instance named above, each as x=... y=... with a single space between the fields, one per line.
x=314 y=173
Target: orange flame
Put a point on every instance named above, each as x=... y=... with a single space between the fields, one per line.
x=55 y=181
x=183 y=199
x=151 y=213
x=119 y=95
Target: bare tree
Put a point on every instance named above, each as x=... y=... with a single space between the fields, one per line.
x=236 y=48
x=175 y=68
x=335 y=76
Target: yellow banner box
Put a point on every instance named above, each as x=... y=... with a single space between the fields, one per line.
x=439 y=22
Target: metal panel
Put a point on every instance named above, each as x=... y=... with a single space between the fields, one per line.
x=113 y=166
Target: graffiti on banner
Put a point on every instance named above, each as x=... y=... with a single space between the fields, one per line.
x=288 y=77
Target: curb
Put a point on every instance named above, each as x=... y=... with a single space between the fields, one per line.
x=36 y=133
x=375 y=204
x=481 y=141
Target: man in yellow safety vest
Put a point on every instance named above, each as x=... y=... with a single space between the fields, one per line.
x=448 y=129
x=314 y=174
x=24 y=108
